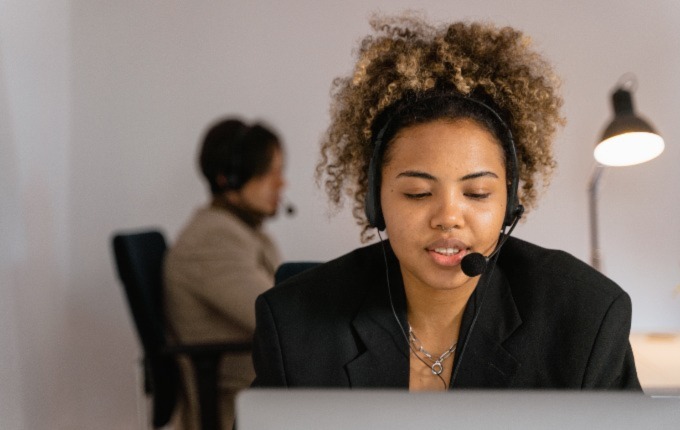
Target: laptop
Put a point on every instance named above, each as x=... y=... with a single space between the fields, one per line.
x=329 y=409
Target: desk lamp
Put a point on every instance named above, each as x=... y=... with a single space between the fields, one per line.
x=626 y=141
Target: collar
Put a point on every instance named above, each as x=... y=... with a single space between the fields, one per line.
x=379 y=324
x=482 y=361
x=250 y=218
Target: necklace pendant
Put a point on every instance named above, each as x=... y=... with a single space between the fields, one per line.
x=437 y=368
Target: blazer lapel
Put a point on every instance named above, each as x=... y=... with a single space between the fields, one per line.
x=484 y=362
x=383 y=360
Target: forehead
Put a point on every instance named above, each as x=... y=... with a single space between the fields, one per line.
x=461 y=142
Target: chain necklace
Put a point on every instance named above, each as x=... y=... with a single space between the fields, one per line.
x=436 y=365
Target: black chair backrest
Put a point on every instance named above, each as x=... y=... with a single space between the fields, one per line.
x=286 y=270
x=139 y=258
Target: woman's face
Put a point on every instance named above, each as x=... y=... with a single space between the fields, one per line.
x=443 y=196
x=262 y=194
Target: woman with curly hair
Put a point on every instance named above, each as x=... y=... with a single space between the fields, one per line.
x=442 y=136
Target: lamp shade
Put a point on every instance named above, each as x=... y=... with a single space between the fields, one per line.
x=628 y=139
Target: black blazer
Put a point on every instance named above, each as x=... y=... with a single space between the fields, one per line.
x=545 y=320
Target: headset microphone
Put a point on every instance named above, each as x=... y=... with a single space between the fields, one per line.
x=289 y=208
x=474 y=264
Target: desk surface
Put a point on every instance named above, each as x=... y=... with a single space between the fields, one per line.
x=657 y=358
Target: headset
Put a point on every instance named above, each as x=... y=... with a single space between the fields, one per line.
x=513 y=213
x=372 y=205
x=236 y=155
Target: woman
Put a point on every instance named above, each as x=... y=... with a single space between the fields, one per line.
x=223 y=258
x=444 y=136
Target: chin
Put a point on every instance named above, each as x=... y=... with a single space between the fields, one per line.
x=451 y=282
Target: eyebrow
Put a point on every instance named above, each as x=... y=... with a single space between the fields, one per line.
x=479 y=175
x=427 y=176
x=416 y=174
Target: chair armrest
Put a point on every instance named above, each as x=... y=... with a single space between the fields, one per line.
x=192 y=349
x=205 y=359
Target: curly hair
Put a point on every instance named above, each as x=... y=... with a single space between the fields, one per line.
x=406 y=56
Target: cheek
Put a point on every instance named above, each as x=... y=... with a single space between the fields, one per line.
x=402 y=233
x=257 y=195
x=404 y=222
x=264 y=189
x=394 y=212
x=488 y=224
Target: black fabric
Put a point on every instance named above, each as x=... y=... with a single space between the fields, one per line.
x=547 y=320
x=286 y=270
x=139 y=260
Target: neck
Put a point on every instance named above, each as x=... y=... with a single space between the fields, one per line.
x=253 y=219
x=434 y=314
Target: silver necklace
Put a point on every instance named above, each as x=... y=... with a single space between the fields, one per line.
x=436 y=365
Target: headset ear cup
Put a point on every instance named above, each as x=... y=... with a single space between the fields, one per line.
x=233 y=181
x=372 y=207
x=510 y=211
x=514 y=213
x=514 y=210
x=234 y=178
x=372 y=202
x=508 y=218
x=369 y=208
x=236 y=155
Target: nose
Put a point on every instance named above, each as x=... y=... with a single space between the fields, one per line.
x=281 y=182
x=447 y=213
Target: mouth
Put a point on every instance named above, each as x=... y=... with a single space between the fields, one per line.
x=447 y=252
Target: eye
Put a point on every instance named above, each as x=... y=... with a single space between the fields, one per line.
x=478 y=196
x=416 y=196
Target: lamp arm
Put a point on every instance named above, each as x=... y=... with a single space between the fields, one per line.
x=593 y=188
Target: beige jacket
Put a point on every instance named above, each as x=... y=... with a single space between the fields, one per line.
x=213 y=273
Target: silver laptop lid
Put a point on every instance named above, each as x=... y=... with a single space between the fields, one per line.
x=259 y=409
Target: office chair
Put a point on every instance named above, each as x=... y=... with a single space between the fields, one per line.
x=139 y=260
x=286 y=270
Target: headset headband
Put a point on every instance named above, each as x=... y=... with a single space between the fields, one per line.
x=372 y=205
x=236 y=153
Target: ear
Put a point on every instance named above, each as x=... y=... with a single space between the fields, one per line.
x=221 y=181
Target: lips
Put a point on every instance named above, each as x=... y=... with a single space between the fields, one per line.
x=447 y=252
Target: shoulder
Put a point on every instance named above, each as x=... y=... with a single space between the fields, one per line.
x=216 y=221
x=555 y=273
x=210 y=230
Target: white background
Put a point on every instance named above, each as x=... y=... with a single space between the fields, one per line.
x=102 y=105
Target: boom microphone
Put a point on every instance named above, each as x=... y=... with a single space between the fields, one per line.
x=474 y=264
x=288 y=208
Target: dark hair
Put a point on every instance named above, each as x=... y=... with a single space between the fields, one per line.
x=238 y=151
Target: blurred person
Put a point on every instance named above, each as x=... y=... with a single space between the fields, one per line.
x=223 y=259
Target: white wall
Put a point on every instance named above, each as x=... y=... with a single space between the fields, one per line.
x=35 y=105
x=102 y=105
